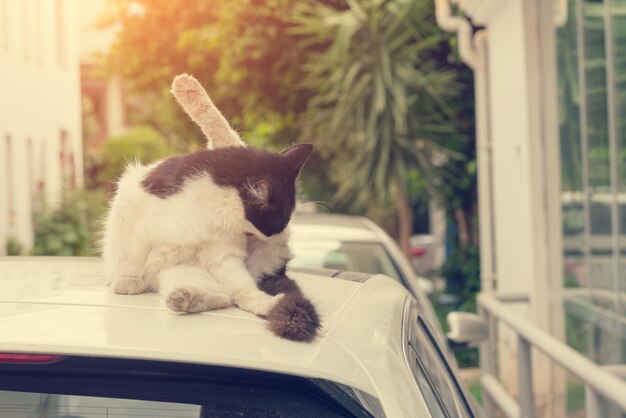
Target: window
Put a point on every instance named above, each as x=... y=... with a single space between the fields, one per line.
x=31 y=169
x=9 y=181
x=95 y=387
x=38 y=30
x=66 y=159
x=592 y=109
x=43 y=167
x=25 y=404
x=431 y=371
x=59 y=11
x=26 y=30
x=4 y=25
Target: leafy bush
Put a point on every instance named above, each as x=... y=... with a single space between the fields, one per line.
x=142 y=143
x=461 y=272
x=14 y=246
x=70 y=228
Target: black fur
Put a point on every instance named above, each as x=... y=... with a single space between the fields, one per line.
x=294 y=317
x=244 y=169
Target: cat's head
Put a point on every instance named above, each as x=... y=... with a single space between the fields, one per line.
x=269 y=196
x=265 y=181
x=268 y=192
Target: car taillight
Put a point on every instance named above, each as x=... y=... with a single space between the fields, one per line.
x=28 y=358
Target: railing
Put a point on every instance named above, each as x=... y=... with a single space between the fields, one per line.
x=599 y=383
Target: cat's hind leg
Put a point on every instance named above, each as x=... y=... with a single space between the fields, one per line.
x=191 y=289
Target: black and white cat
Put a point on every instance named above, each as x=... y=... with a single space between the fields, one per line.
x=208 y=229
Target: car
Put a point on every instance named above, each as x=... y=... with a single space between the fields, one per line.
x=71 y=347
x=355 y=243
x=351 y=243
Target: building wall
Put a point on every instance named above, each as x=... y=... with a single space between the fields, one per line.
x=511 y=154
x=40 y=116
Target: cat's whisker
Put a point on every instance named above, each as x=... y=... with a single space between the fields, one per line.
x=317 y=204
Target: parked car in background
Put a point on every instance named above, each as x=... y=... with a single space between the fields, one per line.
x=355 y=243
x=350 y=243
x=69 y=346
x=423 y=253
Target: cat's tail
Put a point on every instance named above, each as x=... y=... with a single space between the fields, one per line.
x=294 y=317
x=198 y=105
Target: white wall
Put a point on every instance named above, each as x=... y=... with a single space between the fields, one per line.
x=511 y=164
x=39 y=98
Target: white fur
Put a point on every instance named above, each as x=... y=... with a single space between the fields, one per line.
x=202 y=226
x=269 y=255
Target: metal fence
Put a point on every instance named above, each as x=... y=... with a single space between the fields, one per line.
x=601 y=383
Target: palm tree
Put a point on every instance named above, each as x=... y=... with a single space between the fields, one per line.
x=380 y=111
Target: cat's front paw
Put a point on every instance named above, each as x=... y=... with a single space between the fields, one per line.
x=128 y=285
x=191 y=300
x=256 y=302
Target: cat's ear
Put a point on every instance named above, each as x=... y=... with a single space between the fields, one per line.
x=297 y=155
x=259 y=192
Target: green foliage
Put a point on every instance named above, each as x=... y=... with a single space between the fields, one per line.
x=240 y=50
x=391 y=110
x=476 y=389
x=577 y=333
x=142 y=143
x=95 y=202
x=575 y=398
x=62 y=230
x=461 y=271
x=14 y=246
x=380 y=104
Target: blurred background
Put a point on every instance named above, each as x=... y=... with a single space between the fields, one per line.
x=524 y=97
x=376 y=86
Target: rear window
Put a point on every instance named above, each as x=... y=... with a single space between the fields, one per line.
x=90 y=388
x=30 y=405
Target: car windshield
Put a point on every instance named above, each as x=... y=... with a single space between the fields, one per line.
x=363 y=257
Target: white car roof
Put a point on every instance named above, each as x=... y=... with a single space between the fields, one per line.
x=62 y=306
